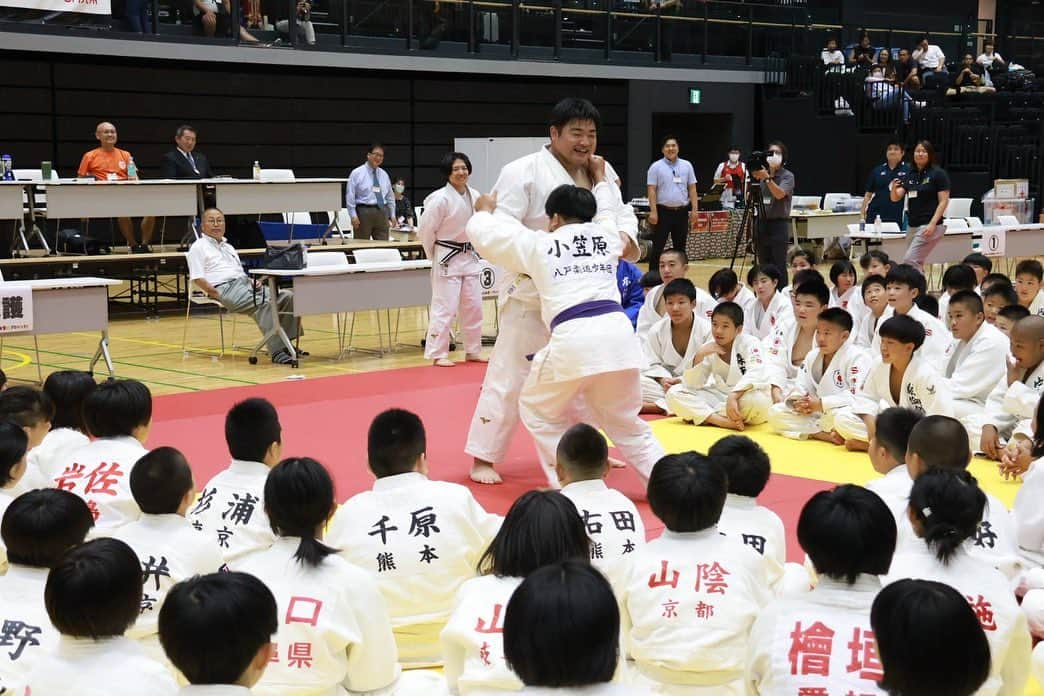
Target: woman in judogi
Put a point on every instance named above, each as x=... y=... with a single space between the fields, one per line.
x=455 y=287
x=846 y=293
x=472 y=642
x=770 y=308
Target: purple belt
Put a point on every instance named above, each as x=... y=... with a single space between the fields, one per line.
x=594 y=308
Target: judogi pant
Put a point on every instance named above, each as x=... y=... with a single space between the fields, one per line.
x=922 y=245
x=699 y=404
x=613 y=400
x=240 y=297
x=653 y=393
x=975 y=422
x=522 y=333
x=373 y=223
x=450 y=294
x=851 y=426
x=788 y=423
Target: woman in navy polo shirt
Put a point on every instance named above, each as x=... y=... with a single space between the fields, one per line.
x=927 y=189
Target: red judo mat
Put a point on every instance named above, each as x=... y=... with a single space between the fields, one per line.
x=327 y=419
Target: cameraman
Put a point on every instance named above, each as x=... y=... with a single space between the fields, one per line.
x=305 y=30
x=777 y=192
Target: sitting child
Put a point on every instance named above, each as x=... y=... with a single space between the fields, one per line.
x=770 y=308
x=846 y=293
x=1029 y=273
x=1008 y=316
x=954 y=280
x=420 y=539
x=726 y=384
x=32 y=410
x=789 y=344
x=724 y=286
x=905 y=284
x=875 y=302
x=996 y=297
x=67 y=389
x=972 y=361
x=887 y=450
x=875 y=262
x=13 y=443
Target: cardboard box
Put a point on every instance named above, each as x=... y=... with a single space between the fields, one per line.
x=1010 y=188
x=711 y=221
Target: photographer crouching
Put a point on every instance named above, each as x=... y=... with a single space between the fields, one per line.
x=777 y=192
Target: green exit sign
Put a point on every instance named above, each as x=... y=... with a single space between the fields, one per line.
x=695 y=96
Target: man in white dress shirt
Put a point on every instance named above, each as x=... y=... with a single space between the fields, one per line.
x=217 y=630
x=215 y=268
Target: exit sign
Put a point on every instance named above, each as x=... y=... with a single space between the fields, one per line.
x=695 y=96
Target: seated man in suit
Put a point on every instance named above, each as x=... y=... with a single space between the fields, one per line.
x=184 y=162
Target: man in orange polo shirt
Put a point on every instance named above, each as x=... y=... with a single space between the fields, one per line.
x=109 y=163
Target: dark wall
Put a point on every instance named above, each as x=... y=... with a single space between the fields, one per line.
x=316 y=122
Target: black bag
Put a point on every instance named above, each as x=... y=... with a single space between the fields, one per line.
x=71 y=241
x=288 y=258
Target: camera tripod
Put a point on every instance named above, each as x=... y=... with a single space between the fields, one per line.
x=750 y=225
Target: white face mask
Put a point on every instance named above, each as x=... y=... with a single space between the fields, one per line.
x=399 y=188
x=775 y=160
x=734 y=158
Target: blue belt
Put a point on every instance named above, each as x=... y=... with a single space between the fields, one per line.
x=594 y=308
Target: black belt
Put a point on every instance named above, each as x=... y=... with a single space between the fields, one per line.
x=368 y=205
x=674 y=207
x=455 y=248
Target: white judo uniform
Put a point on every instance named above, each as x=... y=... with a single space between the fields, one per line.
x=455 y=286
x=760 y=529
x=420 y=539
x=22 y=607
x=593 y=353
x=688 y=606
x=1028 y=514
x=104 y=667
x=473 y=640
x=522 y=190
x=762 y=322
x=973 y=368
x=835 y=384
x=706 y=386
x=780 y=370
x=743 y=298
x=865 y=328
x=169 y=551
x=49 y=456
x=921 y=390
x=648 y=316
x=613 y=523
x=818 y=642
x=894 y=489
x=7 y=496
x=1037 y=305
x=334 y=635
x=99 y=472
x=850 y=300
x=1009 y=407
x=990 y=596
x=661 y=357
x=230 y=511
x=937 y=337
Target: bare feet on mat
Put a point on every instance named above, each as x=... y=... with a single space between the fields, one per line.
x=475 y=357
x=652 y=409
x=483 y=472
x=617 y=463
x=443 y=362
x=856 y=445
x=832 y=437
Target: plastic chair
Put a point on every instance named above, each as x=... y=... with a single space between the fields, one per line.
x=831 y=200
x=955 y=223
x=958 y=208
x=195 y=296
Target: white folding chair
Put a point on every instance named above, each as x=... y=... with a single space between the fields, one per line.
x=376 y=257
x=196 y=297
x=958 y=208
x=956 y=223
x=832 y=199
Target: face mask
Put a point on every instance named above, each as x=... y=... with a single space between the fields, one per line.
x=399 y=188
x=734 y=158
x=775 y=160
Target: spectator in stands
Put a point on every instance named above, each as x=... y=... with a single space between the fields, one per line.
x=877 y=200
x=109 y=163
x=885 y=64
x=989 y=58
x=926 y=187
x=305 y=30
x=673 y=201
x=864 y=55
x=831 y=55
x=777 y=186
x=931 y=60
x=971 y=76
x=733 y=174
x=215 y=268
x=403 y=205
x=907 y=73
x=184 y=162
x=369 y=197
x=210 y=18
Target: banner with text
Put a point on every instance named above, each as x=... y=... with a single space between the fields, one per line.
x=16 y=308
x=100 y=7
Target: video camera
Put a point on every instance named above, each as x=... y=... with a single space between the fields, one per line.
x=756 y=160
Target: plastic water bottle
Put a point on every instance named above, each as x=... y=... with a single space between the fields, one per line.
x=132 y=169
x=8 y=168
x=877 y=226
x=862 y=226
x=257 y=171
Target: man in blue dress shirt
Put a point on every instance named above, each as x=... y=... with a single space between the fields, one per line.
x=671 y=187
x=369 y=198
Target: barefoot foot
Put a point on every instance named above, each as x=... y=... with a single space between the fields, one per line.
x=444 y=362
x=856 y=446
x=475 y=357
x=483 y=472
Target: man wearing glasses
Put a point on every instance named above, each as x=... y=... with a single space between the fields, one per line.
x=369 y=197
x=777 y=192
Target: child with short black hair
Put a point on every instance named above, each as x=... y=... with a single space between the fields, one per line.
x=972 y=366
x=887 y=450
x=748 y=469
x=905 y=284
x=67 y=390
x=230 y=511
x=787 y=346
x=875 y=262
x=946 y=506
x=118 y=415
x=93 y=596
x=671 y=344
x=980 y=264
x=724 y=286
x=419 y=538
x=611 y=519
x=996 y=297
x=954 y=280
x=726 y=385
x=771 y=307
x=875 y=300
x=849 y=536
x=541 y=528
x=328 y=603
x=13 y=443
x=38 y=528
x=1029 y=274
x=650 y=279
x=32 y=410
x=905 y=377
x=846 y=292
x=169 y=549
x=217 y=630
x=693 y=593
x=1008 y=316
